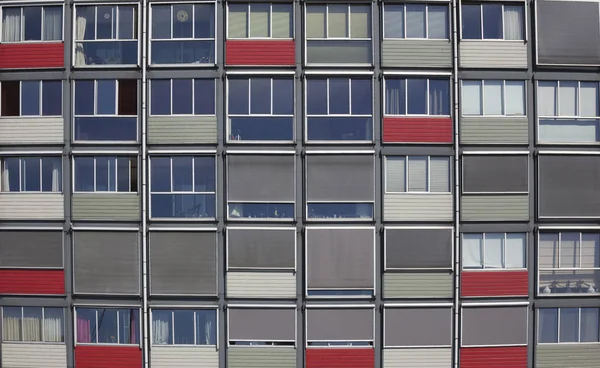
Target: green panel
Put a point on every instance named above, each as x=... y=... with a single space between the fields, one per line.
x=106 y=206
x=182 y=129
x=494 y=130
x=421 y=53
x=417 y=285
x=495 y=207
x=261 y=357
x=567 y=356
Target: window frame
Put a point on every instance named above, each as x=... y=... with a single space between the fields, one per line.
x=250 y=3
x=405 y=78
x=40 y=97
x=96 y=310
x=558 y=342
x=406 y=176
x=21 y=181
x=495 y=154
x=386 y=269
x=504 y=253
x=115 y=172
x=267 y=343
x=504 y=3
x=42 y=5
x=425 y=306
x=193 y=114
x=150 y=35
x=427 y=5
x=243 y=269
x=346 y=344
x=42 y=327
x=482 y=83
x=194 y=309
x=472 y=305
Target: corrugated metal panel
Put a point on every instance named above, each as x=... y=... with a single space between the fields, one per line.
x=106 y=206
x=184 y=357
x=493 y=54
x=31 y=206
x=495 y=207
x=417 y=285
x=494 y=130
x=182 y=129
x=261 y=357
x=417 y=53
x=87 y=356
x=261 y=284
x=415 y=207
x=253 y=52
x=417 y=358
x=495 y=357
x=567 y=356
x=28 y=130
x=494 y=283
x=40 y=282
x=340 y=358
x=417 y=130
x=32 y=55
x=34 y=355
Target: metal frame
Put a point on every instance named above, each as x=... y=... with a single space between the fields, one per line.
x=40 y=98
x=526 y=305
x=482 y=83
x=404 y=12
x=193 y=80
x=483 y=247
x=428 y=77
x=22 y=177
x=194 y=309
x=37 y=3
x=558 y=343
x=270 y=20
x=42 y=326
x=115 y=174
x=524 y=20
x=406 y=175
x=96 y=308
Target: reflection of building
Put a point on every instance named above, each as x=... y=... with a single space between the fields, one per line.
x=299 y=184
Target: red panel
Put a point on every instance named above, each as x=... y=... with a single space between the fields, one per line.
x=500 y=357
x=88 y=356
x=32 y=55
x=251 y=52
x=417 y=130
x=39 y=282
x=494 y=283
x=340 y=358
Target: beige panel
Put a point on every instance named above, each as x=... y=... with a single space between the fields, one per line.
x=106 y=206
x=182 y=129
x=184 y=357
x=417 y=358
x=417 y=285
x=421 y=53
x=261 y=357
x=494 y=130
x=32 y=130
x=417 y=207
x=32 y=206
x=567 y=356
x=493 y=54
x=261 y=284
x=22 y=355
x=495 y=207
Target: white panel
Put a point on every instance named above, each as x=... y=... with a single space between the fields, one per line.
x=588 y=99
x=515 y=98
x=567 y=98
x=23 y=130
x=31 y=206
x=471 y=97
x=492 y=97
x=417 y=358
x=546 y=98
x=184 y=357
x=261 y=284
x=416 y=207
x=22 y=355
x=493 y=54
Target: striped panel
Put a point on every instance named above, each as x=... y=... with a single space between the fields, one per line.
x=417 y=358
x=417 y=53
x=417 y=207
x=184 y=357
x=31 y=206
x=494 y=283
x=261 y=284
x=89 y=356
x=493 y=54
x=251 y=52
x=24 y=355
x=499 y=207
x=28 y=130
x=32 y=282
x=182 y=129
x=261 y=357
x=106 y=206
x=567 y=356
x=340 y=358
x=417 y=130
x=417 y=285
x=32 y=55
x=494 y=357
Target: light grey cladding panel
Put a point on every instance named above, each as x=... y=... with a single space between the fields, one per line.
x=31 y=130
x=417 y=207
x=572 y=42
x=183 y=263
x=567 y=355
x=182 y=129
x=260 y=285
x=342 y=324
x=184 y=357
x=340 y=178
x=495 y=207
x=495 y=173
x=261 y=178
x=18 y=355
x=494 y=326
x=106 y=206
x=261 y=248
x=494 y=130
x=339 y=52
x=417 y=285
x=106 y=262
x=418 y=327
x=31 y=206
x=418 y=248
x=31 y=248
x=261 y=357
x=493 y=54
x=417 y=53
x=262 y=324
x=417 y=358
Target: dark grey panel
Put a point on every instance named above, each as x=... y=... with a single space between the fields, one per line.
x=340 y=178
x=569 y=186
x=418 y=248
x=183 y=263
x=568 y=32
x=418 y=326
x=31 y=249
x=269 y=324
x=261 y=248
x=340 y=258
x=494 y=326
x=339 y=324
x=106 y=262
x=495 y=173
x=338 y=52
x=265 y=178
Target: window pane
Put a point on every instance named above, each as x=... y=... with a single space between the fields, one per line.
x=84 y=97
x=162 y=327
x=417 y=174
x=106 y=99
x=183 y=21
x=548 y=325
x=31 y=174
x=259 y=20
x=492 y=21
x=417 y=96
x=129 y=331
x=567 y=98
x=206 y=327
x=238 y=96
x=260 y=95
x=126 y=23
x=438 y=22
x=360 y=21
x=492 y=97
x=161 y=22
x=283 y=96
x=128 y=102
x=107 y=326
x=204 y=171
x=84 y=174
x=160 y=170
x=51 y=98
x=53 y=23
x=337 y=21
x=316 y=95
x=415 y=20
x=569 y=250
x=204 y=96
x=393 y=21
x=395 y=172
x=513 y=22
x=282 y=21
x=361 y=97
x=569 y=324
x=11 y=323
x=30 y=98
x=51 y=174
x=439 y=97
x=204 y=18
x=11 y=97
x=32 y=19
x=315 y=21
x=105 y=174
x=472 y=248
x=471 y=22
x=105 y=20
x=237 y=20
x=494 y=244
x=11 y=175
x=589 y=325
x=546 y=97
x=86 y=325
x=515 y=97
x=588 y=93
x=395 y=98
x=184 y=327
x=11 y=20
x=123 y=172
x=54 y=325
x=182 y=174
x=32 y=324
x=339 y=96
x=182 y=96
x=590 y=250
x=160 y=97
x=515 y=250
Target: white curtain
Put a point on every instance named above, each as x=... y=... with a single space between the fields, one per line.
x=513 y=23
x=394 y=97
x=80 y=58
x=52 y=24
x=53 y=330
x=161 y=331
x=11 y=25
x=56 y=176
x=11 y=328
x=472 y=246
x=515 y=250
x=32 y=329
x=207 y=332
x=5 y=176
x=494 y=250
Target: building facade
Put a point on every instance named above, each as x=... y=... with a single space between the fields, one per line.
x=179 y=186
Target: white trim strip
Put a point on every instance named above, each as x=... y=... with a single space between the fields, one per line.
x=341 y=306
x=105 y=305
x=404 y=305
x=341 y=152
x=261 y=72
x=179 y=152
x=337 y=72
x=43 y=228
x=554 y=227
x=420 y=73
x=568 y=153
x=260 y=306
x=189 y=306
x=207 y=229
x=29 y=153
x=111 y=152
x=495 y=304
x=261 y=152
x=496 y=152
x=89 y=228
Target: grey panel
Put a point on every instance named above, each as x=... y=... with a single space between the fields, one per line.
x=499 y=207
x=418 y=326
x=489 y=173
x=183 y=263
x=106 y=262
x=31 y=249
x=339 y=52
x=340 y=258
x=417 y=53
x=339 y=324
x=265 y=178
x=182 y=129
x=261 y=248
x=494 y=130
x=261 y=357
x=417 y=284
x=340 y=178
x=418 y=248
x=106 y=206
x=569 y=186
x=572 y=42
x=567 y=355
x=266 y=324
x=494 y=326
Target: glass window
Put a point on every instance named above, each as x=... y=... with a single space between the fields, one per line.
x=182 y=97
x=417 y=174
x=492 y=21
x=568 y=325
x=417 y=96
x=548 y=325
x=184 y=327
x=493 y=97
x=105 y=174
x=260 y=20
x=260 y=109
x=420 y=20
x=31 y=174
x=494 y=250
x=32 y=23
x=107 y=326
x=37 y=324
x=31 y=98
